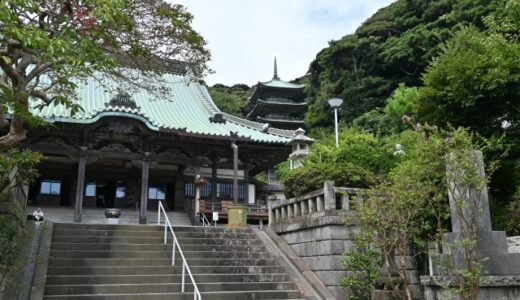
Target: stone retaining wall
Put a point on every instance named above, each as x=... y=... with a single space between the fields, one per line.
x=320 y=240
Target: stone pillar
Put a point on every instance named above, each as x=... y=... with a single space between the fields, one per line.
x=311 y=205
x=284 y=215
x=145 y=172
x=271 y=214
x=296 y=209
x=319 y=203
x=80 y=185
x=472 y=201
x=289 y=211
x=277 y=214
x=303 y=207
x=329 y=195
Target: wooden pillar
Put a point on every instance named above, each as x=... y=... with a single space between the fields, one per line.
x=246 y=184
x=80 y=185
x=213 y=184
x=235 y=173
x=145 y=172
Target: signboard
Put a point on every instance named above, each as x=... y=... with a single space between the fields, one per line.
x=215 y=216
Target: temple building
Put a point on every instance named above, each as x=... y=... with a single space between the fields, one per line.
x=129 y=150
x=278 y=103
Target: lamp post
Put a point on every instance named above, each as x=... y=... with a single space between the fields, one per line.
x=335 y=103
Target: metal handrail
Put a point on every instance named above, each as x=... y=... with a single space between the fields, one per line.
x=175 y=244
x=205 y=221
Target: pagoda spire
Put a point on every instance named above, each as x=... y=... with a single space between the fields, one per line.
x=275 y=76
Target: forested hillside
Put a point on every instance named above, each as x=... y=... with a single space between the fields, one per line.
x=231 y=99
x=393 y=46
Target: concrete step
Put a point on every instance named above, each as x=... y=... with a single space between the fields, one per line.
x=107 y=261
x=153 y=247
x=91 y=262
x=227 y=295
x=153 y=240
x=163 y=287
x=168 y=278
x=155 y=254
x=149 y=270
x=149 y=227
x=153 y=233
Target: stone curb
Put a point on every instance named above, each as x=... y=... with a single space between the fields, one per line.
x=40 y=273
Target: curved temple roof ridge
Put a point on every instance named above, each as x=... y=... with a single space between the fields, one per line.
x=188 y=108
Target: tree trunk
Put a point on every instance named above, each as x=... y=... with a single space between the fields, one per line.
x=17 y=133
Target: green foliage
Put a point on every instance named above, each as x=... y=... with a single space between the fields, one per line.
x=403 y=102
x=365 y=264
x=357 y=162
x=410 y=207
x=393 y=46
x=17 y=168
x=232 y=100
x=474 y=83
x=46 y=48
x=374 y=121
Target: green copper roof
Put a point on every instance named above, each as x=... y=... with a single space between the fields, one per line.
x=188 y=109
x=276 y=83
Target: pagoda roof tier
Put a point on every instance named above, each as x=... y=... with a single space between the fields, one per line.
x=276 y=88
x=280 y=120
x=264 y=107
x=187 y=109
x=280 y=84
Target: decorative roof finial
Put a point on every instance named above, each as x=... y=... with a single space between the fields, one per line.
x=275 y=76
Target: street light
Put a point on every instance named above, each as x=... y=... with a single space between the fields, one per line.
x=335 y=103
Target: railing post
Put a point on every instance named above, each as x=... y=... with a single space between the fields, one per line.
x=303 y=208
x=319 y=203
x=296 y=209
x=311 y=205
x=183 y=274
x=329 y=195
x=173 y=252
x=159 y=213
x=165 y=234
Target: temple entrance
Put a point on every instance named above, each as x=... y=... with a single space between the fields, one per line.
x=106 y=194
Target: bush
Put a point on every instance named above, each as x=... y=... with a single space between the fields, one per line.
x=360 y=158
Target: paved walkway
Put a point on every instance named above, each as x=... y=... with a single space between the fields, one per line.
x=97 y=216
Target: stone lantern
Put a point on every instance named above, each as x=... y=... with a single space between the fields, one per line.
x=300 y=148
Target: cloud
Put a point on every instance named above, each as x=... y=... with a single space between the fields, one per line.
x=244 y=36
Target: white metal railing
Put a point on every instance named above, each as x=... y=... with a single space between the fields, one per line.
x=175 y=244
x=205 y=221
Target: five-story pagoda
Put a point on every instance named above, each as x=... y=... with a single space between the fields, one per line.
x=279 y=103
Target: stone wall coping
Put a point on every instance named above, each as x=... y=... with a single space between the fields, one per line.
x=317 y=219
x=486 y=281
x=307 y=196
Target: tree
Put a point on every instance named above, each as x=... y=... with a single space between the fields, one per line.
x=402 y=104
x=474 y=83
x=47 y=47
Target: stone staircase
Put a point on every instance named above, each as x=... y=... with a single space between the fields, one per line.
x=131 y=262
x=97 y=216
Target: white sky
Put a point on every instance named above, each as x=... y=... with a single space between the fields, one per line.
x=245 y=35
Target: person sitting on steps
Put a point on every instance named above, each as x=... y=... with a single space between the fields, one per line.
x=38 y=214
